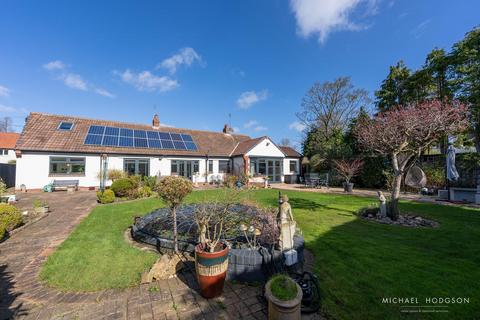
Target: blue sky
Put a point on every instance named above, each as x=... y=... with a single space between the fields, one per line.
x=196 y=62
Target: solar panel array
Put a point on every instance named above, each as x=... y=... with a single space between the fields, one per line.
x=133 y=138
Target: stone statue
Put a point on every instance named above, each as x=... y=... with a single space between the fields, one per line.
x=286 y=223
x=382 y=213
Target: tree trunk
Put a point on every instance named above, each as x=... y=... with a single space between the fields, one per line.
x=175 y=235
x=393 y=211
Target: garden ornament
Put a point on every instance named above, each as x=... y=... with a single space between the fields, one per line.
x=287 y=224
x=382 y=213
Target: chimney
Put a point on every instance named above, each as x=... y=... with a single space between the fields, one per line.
x=227 y=129
x=155 y=122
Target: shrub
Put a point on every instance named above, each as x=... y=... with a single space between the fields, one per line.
x=150 y=182
x=230 y=181
x=123 y=187
x=3 y=187
x=115 y=174
x=283 y=287
x=107 y=196
x=435 y=175
x=10 y=217
x=136 y=180
x=144 y=192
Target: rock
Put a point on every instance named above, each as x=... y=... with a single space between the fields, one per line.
x=166 y=267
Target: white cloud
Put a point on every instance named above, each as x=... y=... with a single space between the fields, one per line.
x=10 y=109
x=74 y=81
x=250 y=124
x=322 y=17
x=4 y=108
x=54 y=65
x=104 y=93
x=260 y=128
x=420 y=29
x=4 y=91
x=185 y=56
x=146 y=81
x=249 y=98
x=298 y=126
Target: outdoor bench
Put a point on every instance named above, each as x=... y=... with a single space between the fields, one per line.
x=65 y=184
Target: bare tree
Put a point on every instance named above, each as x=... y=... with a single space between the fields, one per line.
x=404 y=133
x=6 y=124
x=329 y=106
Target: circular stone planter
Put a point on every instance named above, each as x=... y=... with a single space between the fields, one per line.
x=283 y=310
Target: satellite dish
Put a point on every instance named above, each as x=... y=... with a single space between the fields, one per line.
x=415 y=177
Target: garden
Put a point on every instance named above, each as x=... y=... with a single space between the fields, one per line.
x=357 y=261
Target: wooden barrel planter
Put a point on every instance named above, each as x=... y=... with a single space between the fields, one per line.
x=211 y=269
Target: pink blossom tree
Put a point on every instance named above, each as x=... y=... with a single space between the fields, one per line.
x=404 y=132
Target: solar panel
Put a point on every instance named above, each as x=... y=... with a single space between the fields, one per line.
x=124 y=137
x=126 y=132
x=190 y=146
x=156 y=144
x=176 y=136
x=125 y=142
x=164 y=135
x=187 y=137
x=167 y=144
x=141 y=143
x=179 y=145
x=140 y=134
x=94 y=139
x=111 y=131
x=152 y=135
x=110 y=141
x=96 y=129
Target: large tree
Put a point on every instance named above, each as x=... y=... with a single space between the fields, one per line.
x=466 y=62
x=404 y=132
x=6 y=124
x=327 y=110
x=393 y=90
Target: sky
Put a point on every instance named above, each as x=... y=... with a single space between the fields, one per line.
x=201 y=64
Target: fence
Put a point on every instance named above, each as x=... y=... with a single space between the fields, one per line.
x=7 y=173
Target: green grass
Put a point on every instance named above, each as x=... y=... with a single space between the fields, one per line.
x=357 y=262
x=283 y=287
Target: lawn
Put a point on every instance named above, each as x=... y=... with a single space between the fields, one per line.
x=358 y=262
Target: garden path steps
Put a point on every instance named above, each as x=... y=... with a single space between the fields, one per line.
x=23 y=296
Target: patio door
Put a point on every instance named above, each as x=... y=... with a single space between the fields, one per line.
x=274 y=170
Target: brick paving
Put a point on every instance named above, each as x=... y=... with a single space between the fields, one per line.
x=23 y=296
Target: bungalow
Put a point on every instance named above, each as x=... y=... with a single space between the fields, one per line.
x=55 y=147
x=7 y=146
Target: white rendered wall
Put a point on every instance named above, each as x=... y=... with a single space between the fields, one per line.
x=8 y=157
x=266 y=148
x=286 y=165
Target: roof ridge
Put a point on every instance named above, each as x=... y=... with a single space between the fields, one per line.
x=131 y=123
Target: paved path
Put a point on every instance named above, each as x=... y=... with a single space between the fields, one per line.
x=23 y=296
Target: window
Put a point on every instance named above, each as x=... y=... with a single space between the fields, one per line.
x=67 y=166
x=293 y=166
x=3 y=152
x=184 y=168
x=136 y=167
x=224 y=166
x=66 y=126
x=210 y=166
x=174 y=167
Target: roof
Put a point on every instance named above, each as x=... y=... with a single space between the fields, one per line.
x=290 y=152
x=8 y=140
x=246 y=145
x=40 y=133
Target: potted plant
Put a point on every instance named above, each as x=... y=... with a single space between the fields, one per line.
x=211 y=253
x=173 y=191
x=40 y=207
x=284 y=298
x=348 y=169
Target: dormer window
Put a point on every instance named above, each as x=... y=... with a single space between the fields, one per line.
x=65 y=126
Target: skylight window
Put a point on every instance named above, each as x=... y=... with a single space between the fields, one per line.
x=66 y=126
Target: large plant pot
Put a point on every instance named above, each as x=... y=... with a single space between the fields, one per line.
x=211 y=269
x=348 y=187
x=283 y=310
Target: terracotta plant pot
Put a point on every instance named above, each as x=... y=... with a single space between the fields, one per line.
x=211 y=269
x=283 y=310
